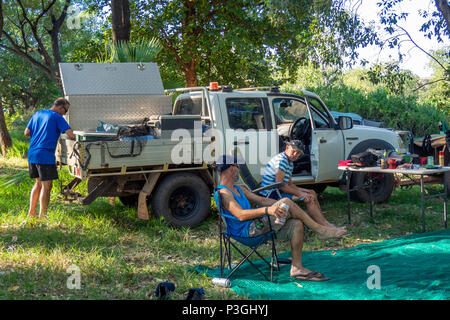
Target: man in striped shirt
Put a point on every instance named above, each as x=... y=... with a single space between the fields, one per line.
x=279 y=169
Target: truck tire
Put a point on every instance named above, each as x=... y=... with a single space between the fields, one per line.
x=383 y=184
x=183 y=199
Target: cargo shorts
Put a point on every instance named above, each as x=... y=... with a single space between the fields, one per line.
x=44 y=172
x=261 y=225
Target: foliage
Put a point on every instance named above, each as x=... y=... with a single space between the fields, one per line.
x=138 y=51
x=121 y=257
x=244 y=42
x=437 y=89
x=354 y=92
x=10 y=118
x=23 y=86
x=390 y=16
x=389 y=74
x=32 y=31
x=395 y=111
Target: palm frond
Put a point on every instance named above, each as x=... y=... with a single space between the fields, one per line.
x=139 y=51
x=16 y=179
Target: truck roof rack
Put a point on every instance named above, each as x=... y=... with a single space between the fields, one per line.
x=271 y=89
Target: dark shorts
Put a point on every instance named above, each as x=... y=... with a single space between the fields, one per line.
x=44 y=172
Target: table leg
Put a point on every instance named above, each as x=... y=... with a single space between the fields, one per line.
x=422 y=190
x=445 y=197
x=349 y=174
x=370 y=195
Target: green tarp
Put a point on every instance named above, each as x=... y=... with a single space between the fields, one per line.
x=416 y=266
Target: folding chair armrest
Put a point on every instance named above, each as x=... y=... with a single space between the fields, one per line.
x=229 y=216
x=272 y=186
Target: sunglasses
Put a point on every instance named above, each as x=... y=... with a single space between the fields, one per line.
x=65 y=109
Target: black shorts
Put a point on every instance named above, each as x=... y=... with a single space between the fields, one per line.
x=44 y=172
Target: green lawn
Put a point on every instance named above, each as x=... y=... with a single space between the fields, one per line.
x=121 y=257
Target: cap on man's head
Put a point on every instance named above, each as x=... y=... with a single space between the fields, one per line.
x=296 y=145
x=226 y=161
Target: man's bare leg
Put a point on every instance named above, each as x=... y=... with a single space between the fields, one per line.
x=296 y=250
x=314 y=210
x=324 y=231
x=45 y=197
x=34 y=197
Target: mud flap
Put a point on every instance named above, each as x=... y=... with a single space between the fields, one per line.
x=146 y=190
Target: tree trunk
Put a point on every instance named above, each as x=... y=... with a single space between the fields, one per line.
x=5 y=138
x=190 y=75
x=444 y=7
x=121 y=25
x=1 y=19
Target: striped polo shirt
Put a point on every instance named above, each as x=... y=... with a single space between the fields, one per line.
x=280 y=161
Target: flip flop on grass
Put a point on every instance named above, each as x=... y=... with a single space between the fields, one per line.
x=311 y=276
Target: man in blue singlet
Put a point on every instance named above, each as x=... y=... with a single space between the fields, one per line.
x=44 y=129
x=237 y=200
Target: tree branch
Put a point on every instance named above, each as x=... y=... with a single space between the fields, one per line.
x=428 y=54
x=17 y=50
x=172 y=48
x=431 y=82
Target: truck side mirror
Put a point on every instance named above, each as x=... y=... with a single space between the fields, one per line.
x=345 y=123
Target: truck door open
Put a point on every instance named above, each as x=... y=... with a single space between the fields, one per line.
x=327 y=146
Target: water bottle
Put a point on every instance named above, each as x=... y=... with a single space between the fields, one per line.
x=221 y=282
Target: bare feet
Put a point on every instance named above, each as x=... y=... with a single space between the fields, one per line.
x=329 y=225
x=295 y=272
x=328 y=233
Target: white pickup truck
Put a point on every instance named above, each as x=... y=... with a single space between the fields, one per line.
x=176 y=174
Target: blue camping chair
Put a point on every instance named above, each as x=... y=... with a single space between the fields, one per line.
x=227 y=240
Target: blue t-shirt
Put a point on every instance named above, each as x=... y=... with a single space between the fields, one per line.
x=45 y=127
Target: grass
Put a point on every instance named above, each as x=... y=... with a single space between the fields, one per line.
x=121 y=257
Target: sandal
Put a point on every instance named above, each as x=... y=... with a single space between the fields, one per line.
x=312 y=276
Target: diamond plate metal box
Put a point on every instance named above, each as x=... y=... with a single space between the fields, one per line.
x=116 y=93
x=111 y=78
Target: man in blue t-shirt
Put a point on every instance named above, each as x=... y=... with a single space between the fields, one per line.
x=44 y=129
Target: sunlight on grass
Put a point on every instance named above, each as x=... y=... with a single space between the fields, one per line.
x=121 y=257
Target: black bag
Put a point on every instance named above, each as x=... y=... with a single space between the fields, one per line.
x=365 y=159
x=447 y=139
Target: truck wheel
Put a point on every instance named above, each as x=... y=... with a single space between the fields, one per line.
x=382 y=186
x=183 y=199
x=383 y=183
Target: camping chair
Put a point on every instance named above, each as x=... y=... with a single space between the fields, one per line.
x=227 y=240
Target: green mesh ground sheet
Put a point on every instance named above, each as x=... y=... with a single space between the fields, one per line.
x=416 y=266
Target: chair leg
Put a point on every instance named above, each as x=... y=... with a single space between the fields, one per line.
x=222 y=254
x=246 y=258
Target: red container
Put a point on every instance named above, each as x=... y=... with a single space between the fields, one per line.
x=392 y=163
x=424 y=161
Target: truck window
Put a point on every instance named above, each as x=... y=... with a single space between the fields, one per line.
x=190 y=105
x=288 y=110
x=319 y=114
x=245 y=113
